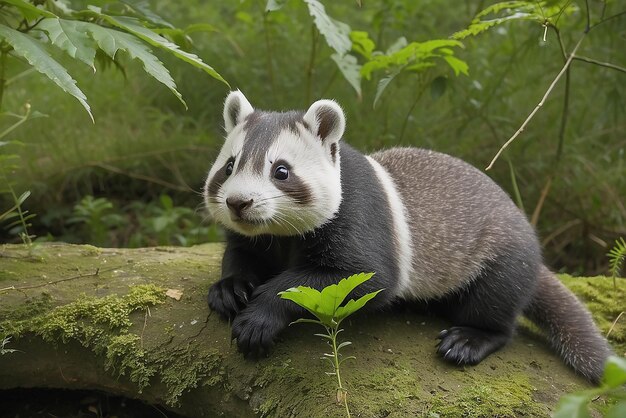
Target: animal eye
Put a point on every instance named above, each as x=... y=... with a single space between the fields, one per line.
x=229 y=168
x=281 y=173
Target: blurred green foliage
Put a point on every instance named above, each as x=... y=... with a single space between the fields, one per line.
x=144 y=144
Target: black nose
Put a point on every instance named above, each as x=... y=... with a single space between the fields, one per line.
x=237 y=205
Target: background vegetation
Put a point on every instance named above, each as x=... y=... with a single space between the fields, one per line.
x=134 y=177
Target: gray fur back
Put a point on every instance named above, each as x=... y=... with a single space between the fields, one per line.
x=458 y=217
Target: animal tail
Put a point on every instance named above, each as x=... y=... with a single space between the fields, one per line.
x=569 y=326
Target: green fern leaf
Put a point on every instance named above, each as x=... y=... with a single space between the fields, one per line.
x=65 y=35
x=507 y=11
x=37 y=56
x=133 y=26
x=29 y=10
x=617 y=255
x=111 y=41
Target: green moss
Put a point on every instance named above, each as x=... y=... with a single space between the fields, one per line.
x=267 y=407
x=401 y=386
x=184 y=368
x=124 y=355
x=100 y=324
x=509 y=396
x=15 y=319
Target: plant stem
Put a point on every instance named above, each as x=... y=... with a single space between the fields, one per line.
x=411 y=109
x=311 y=67
x=268 y=47
x=600 y=63
x=341 y=389
x=3 y=65
x=540 y=104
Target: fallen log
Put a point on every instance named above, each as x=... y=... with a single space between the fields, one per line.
x=135 y=322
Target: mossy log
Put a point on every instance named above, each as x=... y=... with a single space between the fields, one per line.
x=81 y=317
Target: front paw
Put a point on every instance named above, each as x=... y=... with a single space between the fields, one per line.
x=256 y=327
x=229 y=296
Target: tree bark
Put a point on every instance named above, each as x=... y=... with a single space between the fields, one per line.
x=81 y=317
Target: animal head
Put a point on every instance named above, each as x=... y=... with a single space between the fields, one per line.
x=277 y=173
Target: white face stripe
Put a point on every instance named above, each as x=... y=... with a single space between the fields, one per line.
x=402 y=234
x=277 y=212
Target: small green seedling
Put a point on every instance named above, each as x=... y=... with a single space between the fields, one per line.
x=613 y=388
x=617 y=255
x=327 y=307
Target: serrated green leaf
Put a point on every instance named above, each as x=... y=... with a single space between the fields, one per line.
x=414 y=56
x=459 y=66
x=37 y=56
x=29 y=10
x=134 y=27
x=112 y=40
x=354 y=305
x=62 y=6
x=142 y=9
x=336 y=33
x=573 y=406
x=332 y=296
x=350 y=69
x=362 y=44
x=309 y=299
x=615 y=372
x=65 y=35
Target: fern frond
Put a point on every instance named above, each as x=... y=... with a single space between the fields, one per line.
x=617 y=255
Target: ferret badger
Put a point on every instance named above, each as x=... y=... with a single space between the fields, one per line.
x=302 y=209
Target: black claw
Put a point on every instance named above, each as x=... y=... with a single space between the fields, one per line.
x=467 y=345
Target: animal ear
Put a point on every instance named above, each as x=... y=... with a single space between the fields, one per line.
x=236 y=108
x=326 y=120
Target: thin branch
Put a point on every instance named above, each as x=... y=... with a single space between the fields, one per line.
x=588 y=25
x=542 y=198
x=565 y=112
x=600 y=63
x=564 y=115
x=269 y=62
x=606 y=20
x=541 y=103
x=613 y=324
x=560 y=230
x=561 y=45
x=311 y=66
x=142 y=177
x=35 y=286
